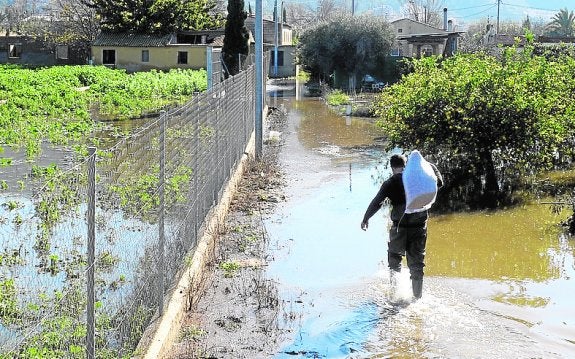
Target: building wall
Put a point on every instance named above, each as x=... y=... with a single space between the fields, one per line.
x=407 y=27
x=32 y=52
x=286 y=38
x=162 y=58
x=287 y=69
x=410 y=27
x=268 y=35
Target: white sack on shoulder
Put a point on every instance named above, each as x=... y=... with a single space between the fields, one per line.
x=419 y=182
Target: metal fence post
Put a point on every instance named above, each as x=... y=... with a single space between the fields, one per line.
x=246 y=106
x=196 y=173
x=259 y=79
x=218 y=124
x=209 y=66
x=91 y=219
x=163 y=117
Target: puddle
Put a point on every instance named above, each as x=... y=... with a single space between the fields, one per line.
x=497 y=284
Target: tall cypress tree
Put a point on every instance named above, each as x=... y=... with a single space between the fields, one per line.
x=236 y=36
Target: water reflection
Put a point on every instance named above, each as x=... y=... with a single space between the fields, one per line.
x=519 y=243
x=320 y=126
x=342 y=338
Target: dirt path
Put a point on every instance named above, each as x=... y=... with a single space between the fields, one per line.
x=237 y=317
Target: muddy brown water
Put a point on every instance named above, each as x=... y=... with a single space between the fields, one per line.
x=497 y=285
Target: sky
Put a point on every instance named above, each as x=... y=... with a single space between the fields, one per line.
x=469 y=11
x=515 y=10
x=461 y=11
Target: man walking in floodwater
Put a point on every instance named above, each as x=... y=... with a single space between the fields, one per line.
x=408 y=233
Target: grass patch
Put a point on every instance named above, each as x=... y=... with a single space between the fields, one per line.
x=229 y=268
x=337 y=98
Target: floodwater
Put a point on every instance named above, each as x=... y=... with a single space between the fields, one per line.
x=38 y=271
x=497 y=285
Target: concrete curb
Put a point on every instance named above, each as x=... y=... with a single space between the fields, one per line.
x=163 y=331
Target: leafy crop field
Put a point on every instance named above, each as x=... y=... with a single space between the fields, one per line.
x=61 y=105
x=48 y=118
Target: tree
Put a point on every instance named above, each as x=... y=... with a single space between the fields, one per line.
x=563 y=23
x=155 y=16
x=81 y=20
x=350 y=44
x=489 y=122
x=301 y=16
x=58 y=22
x=236 y=36
x=476 y=37
x=14 y=13
x=426 y=11
x=526 y=24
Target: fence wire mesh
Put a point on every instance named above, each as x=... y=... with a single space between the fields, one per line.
x=43 y=267
x=43 y=254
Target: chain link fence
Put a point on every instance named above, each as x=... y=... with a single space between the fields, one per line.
x=151 y=193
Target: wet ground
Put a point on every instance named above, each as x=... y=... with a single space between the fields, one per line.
x=498 y=285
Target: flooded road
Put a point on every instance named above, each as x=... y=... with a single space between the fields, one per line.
x=497 y=285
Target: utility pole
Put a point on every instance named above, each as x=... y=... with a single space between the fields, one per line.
x=276 y=38
x=498 y=5
x=352 y=7
x=282 y=20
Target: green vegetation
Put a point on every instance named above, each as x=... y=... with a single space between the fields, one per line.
x=237 y=36
x=5 y=162
x=10 y=258
x=63 y=333
x=192 y=333
x=246 y=241
x=489 y=122
x=337 y=98
x=9 y=311
x=303 y=76
x=157 y=16
x=139 y=196
x=58 y=195
x=229 y=268
x=347 y=44
x=12 y=205
x=55 y=103
x=107 y=260
x=207 y=133
x=563 y=23
x=61 y=105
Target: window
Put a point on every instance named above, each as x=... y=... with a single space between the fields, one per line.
x=280 y=58
x=426 y=50
x=15 y=50
x=182 y=57
x=62 y=52
x=395 y=51
x=399 y=31
x=145 y=55
x=109 y=57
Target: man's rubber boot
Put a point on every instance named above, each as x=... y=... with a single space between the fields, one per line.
x=417 y=286
x=393 y=283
